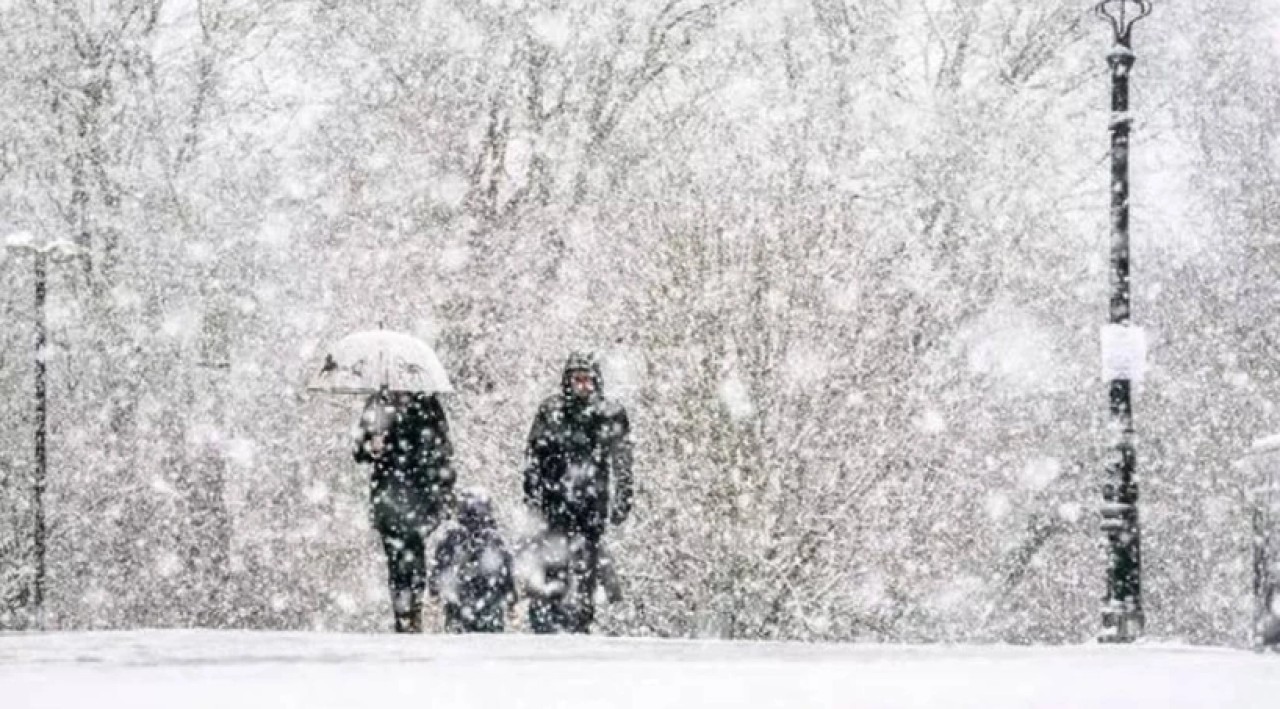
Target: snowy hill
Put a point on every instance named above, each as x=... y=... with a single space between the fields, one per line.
x=251 y=669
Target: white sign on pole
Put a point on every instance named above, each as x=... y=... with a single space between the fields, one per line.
x=1124 y=352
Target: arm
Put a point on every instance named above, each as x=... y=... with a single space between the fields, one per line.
x=435 y=451
x=620 y=467
x=541 y=446
x=434 y=448
x=445 y=552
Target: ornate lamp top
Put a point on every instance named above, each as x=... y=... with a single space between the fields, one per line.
x=1123 y=15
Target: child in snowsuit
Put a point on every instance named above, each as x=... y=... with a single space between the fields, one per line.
x=473 y=570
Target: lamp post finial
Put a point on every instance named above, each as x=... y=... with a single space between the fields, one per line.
x=1123 y=15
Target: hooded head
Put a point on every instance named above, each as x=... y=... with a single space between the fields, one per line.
x=582 y=381
x=474 y=509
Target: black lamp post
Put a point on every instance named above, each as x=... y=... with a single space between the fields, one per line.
x=1122 y=615
x=41 y=255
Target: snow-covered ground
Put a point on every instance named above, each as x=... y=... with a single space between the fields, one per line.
x=239 y=670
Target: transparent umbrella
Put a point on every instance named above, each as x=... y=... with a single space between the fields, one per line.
x=373 y=360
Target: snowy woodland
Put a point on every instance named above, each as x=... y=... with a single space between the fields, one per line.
x=845 y=261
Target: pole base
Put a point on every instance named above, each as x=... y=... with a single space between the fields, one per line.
x=1122 y=625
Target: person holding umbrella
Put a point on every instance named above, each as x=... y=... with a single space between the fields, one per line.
x=404 y=435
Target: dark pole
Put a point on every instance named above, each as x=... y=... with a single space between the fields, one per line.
x=1261 y=563
x=1122 y=615
x=38 y=483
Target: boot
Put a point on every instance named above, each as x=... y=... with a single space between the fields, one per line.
x=404 y=623
x=609 y=581
x=402 y=606
x=415 y=613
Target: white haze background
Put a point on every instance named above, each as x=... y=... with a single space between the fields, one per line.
x=846 y=260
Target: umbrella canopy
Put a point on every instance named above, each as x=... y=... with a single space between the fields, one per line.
x=365 y=362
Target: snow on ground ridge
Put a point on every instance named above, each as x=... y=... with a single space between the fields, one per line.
x=244 y=669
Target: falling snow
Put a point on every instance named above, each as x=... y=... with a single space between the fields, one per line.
x=846 y=265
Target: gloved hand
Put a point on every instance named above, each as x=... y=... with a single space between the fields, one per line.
x=377 y=446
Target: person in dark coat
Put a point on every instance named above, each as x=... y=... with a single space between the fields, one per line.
x=406 y=438
x=473 y=570
x=577 y=477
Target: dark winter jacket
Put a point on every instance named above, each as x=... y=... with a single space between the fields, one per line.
x=576 y=450
x=412 y=479
x=473 y=572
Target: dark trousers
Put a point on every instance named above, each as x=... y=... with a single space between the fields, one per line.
x=571 y=573
x=406 y=560
x=404 y=522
